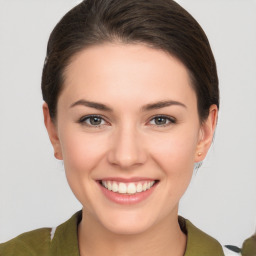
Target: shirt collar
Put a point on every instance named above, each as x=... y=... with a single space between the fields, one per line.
x=65 y=240
x=198 y=242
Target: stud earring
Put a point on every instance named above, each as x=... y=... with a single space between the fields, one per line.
x=199 y=153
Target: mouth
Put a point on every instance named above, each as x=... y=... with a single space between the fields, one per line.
x=128 y=188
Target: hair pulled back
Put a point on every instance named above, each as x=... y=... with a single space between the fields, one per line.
x=161 y=24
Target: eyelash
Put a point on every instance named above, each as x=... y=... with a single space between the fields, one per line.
x=170 y=120
x=83 y=120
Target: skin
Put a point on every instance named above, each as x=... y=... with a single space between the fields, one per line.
x=128 y=143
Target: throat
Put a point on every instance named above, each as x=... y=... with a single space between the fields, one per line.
x=93 y=241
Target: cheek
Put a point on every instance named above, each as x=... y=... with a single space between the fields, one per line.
x=175 y=157
x=81 y=152
x=176 y=150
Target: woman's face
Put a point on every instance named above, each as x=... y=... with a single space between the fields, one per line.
x=129 y=133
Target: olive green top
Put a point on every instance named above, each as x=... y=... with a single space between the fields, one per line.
x=249 y=246
x=63 y=241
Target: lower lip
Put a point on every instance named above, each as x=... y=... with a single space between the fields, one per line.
x=127 y=199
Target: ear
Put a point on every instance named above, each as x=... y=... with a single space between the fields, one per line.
x=52 y=132
x=206 y=134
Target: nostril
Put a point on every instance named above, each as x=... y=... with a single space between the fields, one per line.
x=125 y=147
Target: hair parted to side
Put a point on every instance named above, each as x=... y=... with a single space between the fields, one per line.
x=161 y=24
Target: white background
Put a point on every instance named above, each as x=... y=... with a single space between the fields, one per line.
x=34 y=193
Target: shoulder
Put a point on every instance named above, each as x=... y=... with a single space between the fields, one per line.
x=249 y=246
x=46 y=241
x=31 y=243
x=198 y=242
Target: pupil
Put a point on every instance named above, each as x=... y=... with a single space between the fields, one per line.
x=95 y=120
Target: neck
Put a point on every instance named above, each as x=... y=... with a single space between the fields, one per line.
x=163 y=239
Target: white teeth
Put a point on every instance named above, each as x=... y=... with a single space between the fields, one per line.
x=122 y=188
x=131 y=189
x=114 y=187
x=139 y=188
x=109 y=185
x=104 y=183
x=128 y=188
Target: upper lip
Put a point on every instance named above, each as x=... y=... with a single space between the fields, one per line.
x=126 y=180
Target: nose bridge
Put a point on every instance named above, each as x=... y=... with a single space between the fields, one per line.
x=127 y=147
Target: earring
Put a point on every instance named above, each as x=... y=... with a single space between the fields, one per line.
x=199 y=153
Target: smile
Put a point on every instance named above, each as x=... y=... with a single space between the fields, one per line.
x=127 y=188
x=127 y=192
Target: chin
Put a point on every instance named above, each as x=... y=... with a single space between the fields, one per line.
x=127 y=223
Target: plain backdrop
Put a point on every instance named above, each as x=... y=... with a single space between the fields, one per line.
x=221 y=199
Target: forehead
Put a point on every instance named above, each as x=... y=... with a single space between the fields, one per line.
x=127 y=71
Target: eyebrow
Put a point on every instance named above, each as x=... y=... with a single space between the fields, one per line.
x=151 y=106
x=91 y=104
x=162 y=104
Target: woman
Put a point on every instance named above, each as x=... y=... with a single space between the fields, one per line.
x=131 y=105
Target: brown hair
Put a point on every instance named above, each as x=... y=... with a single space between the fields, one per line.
x=162 y=24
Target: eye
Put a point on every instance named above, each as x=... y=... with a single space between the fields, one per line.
x=93 y=120
x=162 y=121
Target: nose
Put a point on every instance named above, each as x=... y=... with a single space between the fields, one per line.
x=127 y=149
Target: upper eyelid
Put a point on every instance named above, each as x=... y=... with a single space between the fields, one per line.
x=164 y=116
x=93 y=115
